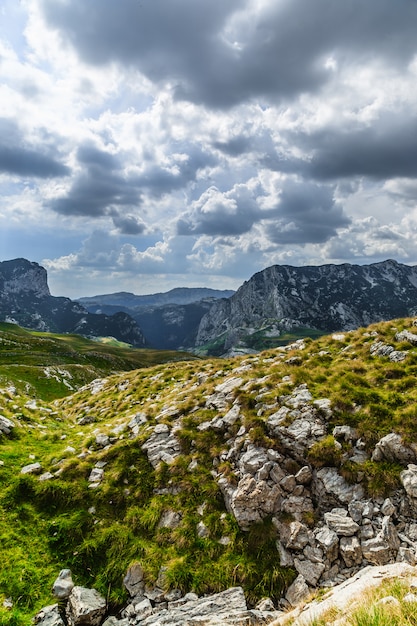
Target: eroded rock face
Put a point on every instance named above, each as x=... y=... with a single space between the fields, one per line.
x=392 y=448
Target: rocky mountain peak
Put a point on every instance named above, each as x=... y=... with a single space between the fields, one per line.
x=20 y=276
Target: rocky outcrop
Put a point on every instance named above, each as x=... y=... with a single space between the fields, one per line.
x=25 y=299
x=327 y=298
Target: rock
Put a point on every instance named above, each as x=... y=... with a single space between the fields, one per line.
x=410 y=597
x=298 y=536
x=49 y=616
x=112 y=621
x=297 y=592
x=265 y=604
x=86 y=607
x=162 y=445
x=330 y=486
x=397 y=356
x=329 y=542
x=102 y=440
x=288 y=483
x=350 y=551
x=406 y=555
x=252 y=460
x=285 y=557
x=343 y=525
x=405 y=335
x=304 y=475
x=345 y=433
x=96 y=475
x=143 y=609
x=252 y=500
x=63 y=585
x=387 y=507
x=32 y=468
x=389 y=601
x=311 y=572
x=202 y=530
x=392 y=448
x=133 y=581
x=170 y=519
x=6 y=425
x=409 y=480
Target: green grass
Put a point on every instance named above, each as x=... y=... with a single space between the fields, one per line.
x=46 y=526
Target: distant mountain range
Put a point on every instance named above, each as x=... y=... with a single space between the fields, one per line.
x=276 y=305
x=168 y=320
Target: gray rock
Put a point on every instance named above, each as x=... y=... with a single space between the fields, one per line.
x=133 y=581
x=252 y=460
x=304 y=475
x=253 y=500
x=392 y=448
x=405 y=335
x=397 y=356
x=49 y=616
x=32 y=468
x=288 y=483
x=409 y=480
x=350 y=551
x=342 y=525
x=285 y=557
x=330 y=485
x=311 y=572
x=86 y=607
x=96 y=475
x=170 y=519
x=329 y=542
x=406 y=555
x=387 y=507
x=345 y=433
x=6 y=425
x=298 y=536
x=298 y=591
x=162 y=445
x=63 y=585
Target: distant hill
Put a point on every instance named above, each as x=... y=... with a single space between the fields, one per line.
x=168 y=320
x=25 y=300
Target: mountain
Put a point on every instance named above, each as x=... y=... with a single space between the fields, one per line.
x=168 y=320
x=277 y=475
x=25 y=299
x=325 y=298
x=179 y=295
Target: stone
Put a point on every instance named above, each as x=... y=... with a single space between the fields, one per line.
x=330 y=484
x=406 y=555
x=345 y=433
x=252 y=460
x=85 y=606
x=63 y=585
x=162 y=445
x=350 y=551
x=298 y=536
x=311 y=572
x=285 y=557
x=133 y=581
x=409 y=480
x=387 y=507
x=32 y=468
x=391 y=448
x=265 y=604
x=297 y=592
x=288 y=483
x=143 y=609
x=170 y=519
x=397 y=356
x=252 y=500
x=49 y=616
x=96 y=475
x=410 y=597
x=389 y=601
x=329 y=542
x=343 y=525
x=304 y=475
x=406 y=335
x=202 y=530
x=102 y=440
x=6 y=425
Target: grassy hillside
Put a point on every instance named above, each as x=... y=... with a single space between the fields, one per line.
x=49 y=366
x=97 y=530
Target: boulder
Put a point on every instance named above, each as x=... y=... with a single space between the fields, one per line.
x=253 y=500
x=297 y=592
x=409 y=480
x=329 y=542
x=350 y=551
x=86 y=607
x=32 y=468
x=330 y=487
x=6 y=425
x=406 y=335
x=391 y=448
x=311 y=572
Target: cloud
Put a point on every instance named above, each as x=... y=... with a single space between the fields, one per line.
x=22 y=158
x=306 y=213
x=224 y=53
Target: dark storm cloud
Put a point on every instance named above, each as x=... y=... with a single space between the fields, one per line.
x=387 y=149
x=19 y=158
x=306 y=214
x=214 y=55
x=99 y=186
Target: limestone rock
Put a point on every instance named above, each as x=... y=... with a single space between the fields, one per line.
x=409 y=480
x=330 y=486
x=311 y=572
x=392 y=448
x=343 y=525
x=133 y=581
x=329 y=542
x=162 y=445
x=49 y=616
x=6 y=425
x=85 y=607
x=253 y=500
x=298 y=591
x=32 y=468
x=405 y=335
x=63 y=585
x=298 y=536
x=252 y=460
x=350 y=551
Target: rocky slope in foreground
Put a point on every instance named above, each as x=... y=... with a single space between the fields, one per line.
x=325 y=298
x=277 y=473
x=25 y=299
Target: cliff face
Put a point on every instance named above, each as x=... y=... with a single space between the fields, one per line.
x=325 y=298
x=25 y=299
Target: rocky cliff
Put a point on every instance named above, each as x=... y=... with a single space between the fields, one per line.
x=25 y=299
x=324 y=298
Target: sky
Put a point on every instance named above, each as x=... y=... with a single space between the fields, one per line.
x=152 y=144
